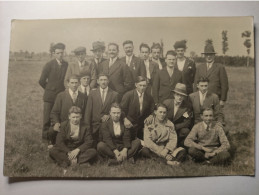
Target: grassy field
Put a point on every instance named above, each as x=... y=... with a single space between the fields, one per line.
x=27 y=156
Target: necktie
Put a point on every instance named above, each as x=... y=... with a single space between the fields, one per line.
x=208 y=128
x=102 y=96
x=74 y=97
x=85 y=90
x=202 y=99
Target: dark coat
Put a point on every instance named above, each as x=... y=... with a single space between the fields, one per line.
x=131 y=108
x=188 y=74
x=122 y=141
x=95 y=109
x=120 y=78
x=183 y=116
x=52 y=79
x=153 y=69
x=211 y=100
x=137 y=68
x=66 y=144
x=63 y=103
x=218 y=79
x=164 y=84
x=97 y=66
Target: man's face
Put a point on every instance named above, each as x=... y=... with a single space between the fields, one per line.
x=81 y=56
x=113 y=51
x=98 y=53
x=103 y=82
x=180 y=52
x=85 y=81
x=144 y=52
x=75 y=118
x=209 y=58
x=203 y=87
x=59 y=53
x=128 y=48
x=178 y=98
x=207 y=116
x=156 y=53
x=73 y=84
x=141 y=86
x=160 y=113
x=115 y=114
x=170 y=61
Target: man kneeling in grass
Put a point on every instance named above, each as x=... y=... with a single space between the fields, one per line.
x=73 y=142
x=116 y=142
x=207 y=141
x=160 y=137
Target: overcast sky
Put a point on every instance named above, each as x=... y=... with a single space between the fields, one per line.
x=36 y=35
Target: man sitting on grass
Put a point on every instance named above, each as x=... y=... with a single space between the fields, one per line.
x=116 y=142
x=160 y=137
x=207 y=141
x=74 y=142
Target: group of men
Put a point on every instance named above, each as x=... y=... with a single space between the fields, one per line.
x=101 y=107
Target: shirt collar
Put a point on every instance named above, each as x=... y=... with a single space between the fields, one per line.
x=105 y=90
x=71 y=92
x=87 y=87
x=81 y=63
x=114 y=59
x=201 y=95
x=139 y=94
x=176 y=104
x=59 y=62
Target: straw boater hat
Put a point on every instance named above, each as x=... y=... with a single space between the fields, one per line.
x=209 y=49
x=180 y=89
x=98 y=45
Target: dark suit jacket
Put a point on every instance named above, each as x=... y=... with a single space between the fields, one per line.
x=120 y=142
x=66 y=144
x=120 y=78
x=188 y=74
x=163 y=63
x=131 y=108
x=52 y=79
x=210 y=100
x=180 y=120
x=95 y=109
x=153 y=69
x=164 y=84
x=97 y=66
x=218 y=79
x=87 y=68
x=63 y=103
x=137 y=68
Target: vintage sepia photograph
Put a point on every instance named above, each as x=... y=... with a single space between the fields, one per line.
x=131 y=98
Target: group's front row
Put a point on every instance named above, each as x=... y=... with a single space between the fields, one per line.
x=205 y=143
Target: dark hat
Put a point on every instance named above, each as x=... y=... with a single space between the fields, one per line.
x=180 y=89
x=79 y=50
x=98 y=45
x=180 y=44
x=209 y=49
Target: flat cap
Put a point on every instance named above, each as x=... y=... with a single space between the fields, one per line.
x=79 y=50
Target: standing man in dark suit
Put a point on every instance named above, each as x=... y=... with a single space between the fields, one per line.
x=98 y=106
x=84 y=86
x=64 y=101
x=150 y=66
x=156 y=50
x=179 y=113
x=116 y=142
x=98 y=50
x=74 y=142
x=52 y=81
x=134 y=63
x=120 y=78
x=137 y=105
x=215 y=72
x=186 y=66
x=166 y=79
x=82 y=66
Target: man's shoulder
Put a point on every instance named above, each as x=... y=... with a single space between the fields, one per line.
x=168 y=102
x=194 y=94
x=198 y=125
x=64 y=124
x=112 y=92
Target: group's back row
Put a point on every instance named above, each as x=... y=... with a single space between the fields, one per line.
x=157 y=80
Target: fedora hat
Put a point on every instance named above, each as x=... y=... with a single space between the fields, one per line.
x=180 y=89
x=209 y=49
x=98 y=45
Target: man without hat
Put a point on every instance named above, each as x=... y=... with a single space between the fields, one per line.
x=98 y=50
x=82 y=65
x=156 y=50
x=52 y=81
x=84 y=86
x=215 y=72
x=186 y=66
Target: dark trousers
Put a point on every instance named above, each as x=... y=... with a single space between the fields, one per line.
x=52 y=136
x=136 y=131
x=61 y=158
x=181 y=135
x=47 y=106
x=105 y=151
x=199 y=156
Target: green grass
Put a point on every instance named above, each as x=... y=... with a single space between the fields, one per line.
x=27 y=156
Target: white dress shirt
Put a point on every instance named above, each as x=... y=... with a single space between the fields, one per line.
x=128 y=60
x=180 y=64
x=112 y=61
x=209 y=65
x=202 y=97
x=140 y=96
x=87 y=88
x=117 y=128
x=73 y=94
x=146 y=62
x=59 y=62
x=74 y=134
x=103 y=93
